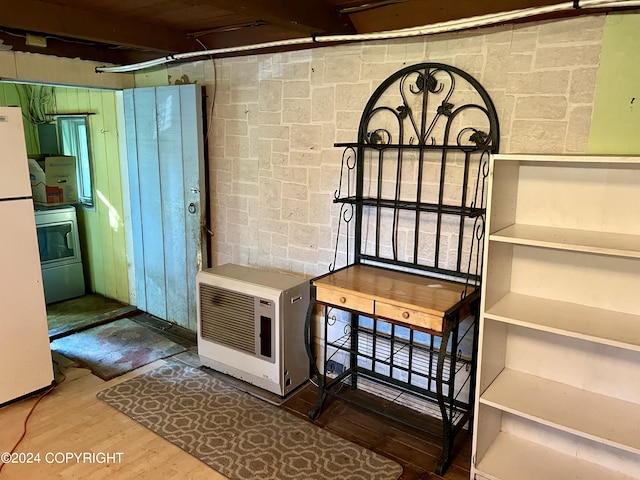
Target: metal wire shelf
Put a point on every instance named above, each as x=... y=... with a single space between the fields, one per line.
x=470 y=212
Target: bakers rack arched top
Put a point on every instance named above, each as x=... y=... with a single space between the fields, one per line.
x=430 y=105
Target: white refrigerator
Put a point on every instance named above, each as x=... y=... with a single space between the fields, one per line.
x=25 y=354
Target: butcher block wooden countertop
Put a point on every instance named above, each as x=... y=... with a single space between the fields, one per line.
x=405 y=298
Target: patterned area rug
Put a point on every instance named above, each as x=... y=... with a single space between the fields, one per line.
x=115 y=348
x=239 y=435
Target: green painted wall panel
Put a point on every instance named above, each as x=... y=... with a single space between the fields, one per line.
x=102 y=227
x=615 y=125
x=115 y=201
x=103 y=202
x=102 y=233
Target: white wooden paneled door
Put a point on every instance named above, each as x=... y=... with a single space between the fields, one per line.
x=165 y=154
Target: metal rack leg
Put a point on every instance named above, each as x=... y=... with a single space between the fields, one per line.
x=447 y=427
x=475 y=311
x=353 y=353
x=315 y=411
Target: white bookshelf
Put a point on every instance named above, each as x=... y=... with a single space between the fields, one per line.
x=569 y=319
x=570 y=239
x=519 y=459
x=553 y=404
x=559 y=347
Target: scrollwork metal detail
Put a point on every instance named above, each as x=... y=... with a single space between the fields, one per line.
x=347 y=211
x=348 y=161
x=425 y=118
x=420 y=87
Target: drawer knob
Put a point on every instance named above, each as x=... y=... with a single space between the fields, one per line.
x=405 y=315
x=343 y=300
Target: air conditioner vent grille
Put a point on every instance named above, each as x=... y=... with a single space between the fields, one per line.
x=227 y=318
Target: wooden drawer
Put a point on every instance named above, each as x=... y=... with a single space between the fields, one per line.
x=346 y=300
x=409 y=316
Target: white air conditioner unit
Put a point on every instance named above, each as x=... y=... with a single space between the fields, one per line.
x=251 y=326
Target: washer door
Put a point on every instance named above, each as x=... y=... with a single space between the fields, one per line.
x=57 y=243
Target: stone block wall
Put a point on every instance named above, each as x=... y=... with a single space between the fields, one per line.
x=273 y=168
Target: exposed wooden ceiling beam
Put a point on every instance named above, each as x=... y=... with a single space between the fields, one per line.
x=423 y=12
x=78 y=50
x=48 y=18
x=307 y=16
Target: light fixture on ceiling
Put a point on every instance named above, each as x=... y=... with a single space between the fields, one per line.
x=227 y=28
x=369 y=6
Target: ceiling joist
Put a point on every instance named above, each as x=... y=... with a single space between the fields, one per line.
x=308 y=16
x=76 y=50
x=50 y=19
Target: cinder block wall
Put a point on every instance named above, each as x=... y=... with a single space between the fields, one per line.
x=273 y=166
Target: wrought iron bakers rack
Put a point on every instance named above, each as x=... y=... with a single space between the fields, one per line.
x=399 y=318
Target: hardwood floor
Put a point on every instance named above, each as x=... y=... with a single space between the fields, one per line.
x=416 y=450
x=72 y=419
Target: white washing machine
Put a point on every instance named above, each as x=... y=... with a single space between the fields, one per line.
x=60 y=259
